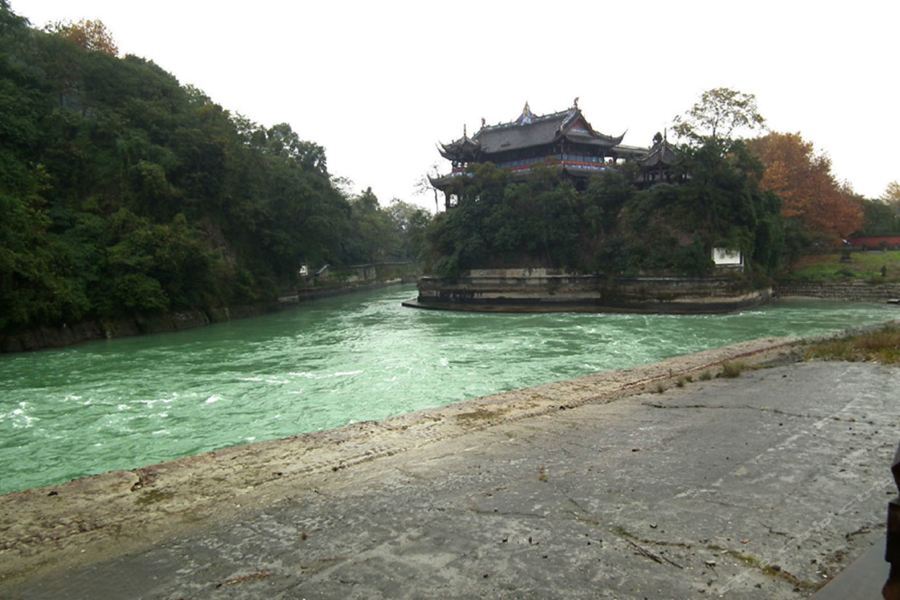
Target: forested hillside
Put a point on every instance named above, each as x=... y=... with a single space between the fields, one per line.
x=123 y=192
x=613 y=226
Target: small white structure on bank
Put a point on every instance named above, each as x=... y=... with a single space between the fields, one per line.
x=726 y=258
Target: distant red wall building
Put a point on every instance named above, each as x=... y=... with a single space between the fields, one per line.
x=876 y=242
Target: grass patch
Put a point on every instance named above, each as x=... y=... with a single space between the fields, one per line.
x=705 y=376
x=882 y=345
x=865 y=266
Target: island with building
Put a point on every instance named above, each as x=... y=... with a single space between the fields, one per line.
x=545 y=213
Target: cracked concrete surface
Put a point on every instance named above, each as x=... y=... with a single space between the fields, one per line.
x=763 y=486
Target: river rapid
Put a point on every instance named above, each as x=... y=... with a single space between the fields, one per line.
x=130 y=402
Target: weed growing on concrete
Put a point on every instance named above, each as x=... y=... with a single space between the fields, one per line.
x=659 y=388
x=680 y=382
x=705 y=376
x=542 y=473
x=732 y=369
x=882 y=345
x=774 y=571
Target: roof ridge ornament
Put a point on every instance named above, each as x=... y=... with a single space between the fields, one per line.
x=575 y=102
x=526 y=117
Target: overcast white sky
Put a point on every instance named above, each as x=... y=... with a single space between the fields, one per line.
x=379 y=83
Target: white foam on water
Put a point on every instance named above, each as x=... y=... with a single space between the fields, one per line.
x=304 y=374
x=20 y=418
x=347 y=373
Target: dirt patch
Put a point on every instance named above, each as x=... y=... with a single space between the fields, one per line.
x=480 y=416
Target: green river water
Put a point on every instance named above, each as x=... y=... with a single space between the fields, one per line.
x=137 y=401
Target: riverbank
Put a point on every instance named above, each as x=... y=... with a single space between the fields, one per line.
x=581 y=499
x=122 y=404
x=542 y=290
x=102 y=517
x=99 y=329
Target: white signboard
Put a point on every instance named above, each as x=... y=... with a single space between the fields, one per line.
x=727 y=257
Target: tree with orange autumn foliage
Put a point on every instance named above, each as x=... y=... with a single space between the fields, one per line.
x=809 y=191
x=90 y=34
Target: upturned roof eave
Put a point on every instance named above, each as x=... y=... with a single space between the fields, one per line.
x=492 y=140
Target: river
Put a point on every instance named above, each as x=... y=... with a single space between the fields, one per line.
x=130 y=402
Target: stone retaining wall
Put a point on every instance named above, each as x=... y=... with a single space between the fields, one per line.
x=68 y=335
x=525 y=290
x=849 y=291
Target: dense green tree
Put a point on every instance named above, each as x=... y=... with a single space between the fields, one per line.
x=718 y=115
x=891 y=195
x=410 y=224
x=371 y=226
x=89 y=34
x=880 y=218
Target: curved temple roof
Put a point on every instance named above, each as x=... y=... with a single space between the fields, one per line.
x=662 y=153
x=527 y=131
x=465 y=148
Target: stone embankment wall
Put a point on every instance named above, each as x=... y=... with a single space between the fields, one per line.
x=67 y=335
x=523 y=290
x=848 y=291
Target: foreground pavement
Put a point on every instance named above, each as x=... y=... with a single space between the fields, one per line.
x=763 y=486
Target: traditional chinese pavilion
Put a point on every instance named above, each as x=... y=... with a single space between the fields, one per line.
x=563 y=139
x=658 y=164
